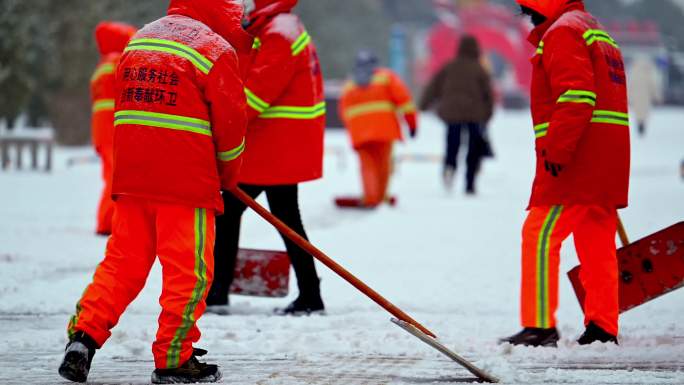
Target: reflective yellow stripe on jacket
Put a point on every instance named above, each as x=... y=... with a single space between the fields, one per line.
x=102 y=70
x=230 y=155
x=540 y=130
x=301 y=43
x=369 y=108
x=255 y=102
x=294 y=112
x=578 y=96
x=266 y=111
x=407 y=108
x=610 y=117
x=155 y=119
x=599 y=116
x=595 y=35
x=103 y=105
x=174 y=48
x=257 y=43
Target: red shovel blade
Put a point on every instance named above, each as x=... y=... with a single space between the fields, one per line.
x=357 y=203
x=261 y=273
x=648 y=268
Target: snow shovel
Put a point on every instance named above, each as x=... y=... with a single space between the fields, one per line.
x=350 y=202
x=648 y=268
x=403 y=319
x=261 y=273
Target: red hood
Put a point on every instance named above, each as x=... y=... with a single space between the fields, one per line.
x=223 y=16
x=551 y=9
x=555 y=8
x=266 y=9
x=113 y=37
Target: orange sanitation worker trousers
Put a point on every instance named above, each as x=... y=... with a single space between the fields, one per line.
x=183 y=238
x=376 y=165
x=105 y=210
x=593 y=229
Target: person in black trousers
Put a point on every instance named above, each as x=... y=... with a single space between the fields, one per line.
x=462 y=93
x=283 y=203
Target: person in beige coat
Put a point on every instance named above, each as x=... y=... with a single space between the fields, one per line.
x=644 y=90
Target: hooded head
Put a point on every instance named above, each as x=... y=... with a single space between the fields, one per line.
x=113 y=37
x=469 y=48
x=223 y=16
x=264 y=9
x=364 y=67
x=547 y=9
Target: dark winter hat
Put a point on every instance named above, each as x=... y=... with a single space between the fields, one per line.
x=365 y=66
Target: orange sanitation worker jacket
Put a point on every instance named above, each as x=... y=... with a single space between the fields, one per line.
x=180 y=111
x=284 y=88
x=579 y=109
x=111 y=40
x=370 y=113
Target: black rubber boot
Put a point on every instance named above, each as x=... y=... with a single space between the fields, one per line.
x=78 y=356
x=594 y=333
x=303 y=305
x=534 y=337
x=191 y=372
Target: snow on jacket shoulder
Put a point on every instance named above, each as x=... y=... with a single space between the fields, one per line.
x=180 y=112
x=370 y=112
x=579 y=109
x=284 y=88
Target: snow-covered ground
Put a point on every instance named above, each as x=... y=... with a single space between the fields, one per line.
x=450 y=261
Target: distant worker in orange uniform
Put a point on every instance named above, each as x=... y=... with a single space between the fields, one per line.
x=579 y=110
x=369 y=106
x=111 y=40
x=284 y=87
x=180 y=124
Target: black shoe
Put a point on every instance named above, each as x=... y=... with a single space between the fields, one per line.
x=190 y=372
x=303 y=306
x=78 y=356
x=534 y=337
x=594 y=333
x=214 y=299
x=470 y=190
x=216 y=305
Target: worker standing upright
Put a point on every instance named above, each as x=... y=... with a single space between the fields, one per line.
x=369 y=106
x=180 y=123
x=284 y=88
x=111 y=40
x=581 y=125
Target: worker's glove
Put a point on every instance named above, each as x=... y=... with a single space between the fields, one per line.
x=553 y=168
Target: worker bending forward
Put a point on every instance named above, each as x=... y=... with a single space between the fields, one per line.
x=369 y=106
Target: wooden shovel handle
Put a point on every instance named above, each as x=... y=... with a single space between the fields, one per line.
x=329 y=262
x=621 y=232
